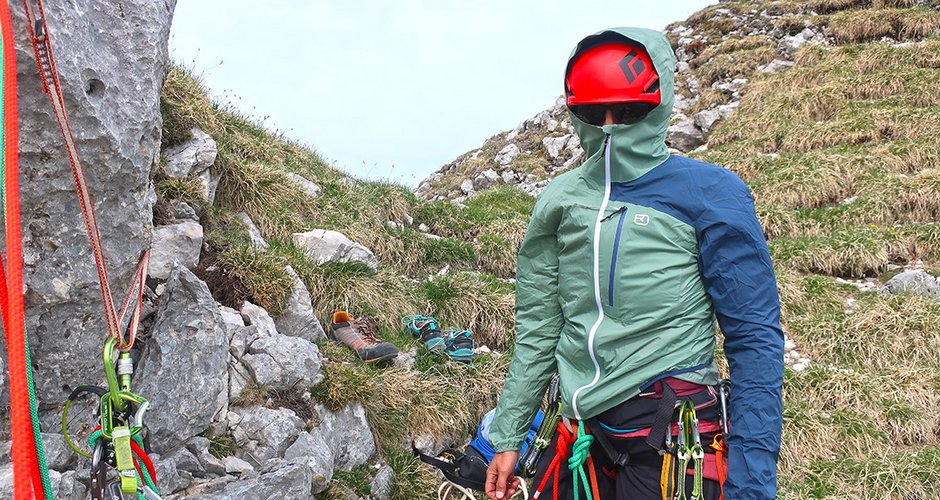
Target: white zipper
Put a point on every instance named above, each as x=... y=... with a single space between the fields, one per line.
x=597 y=281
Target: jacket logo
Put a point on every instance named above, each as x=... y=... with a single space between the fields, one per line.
x=641 y=219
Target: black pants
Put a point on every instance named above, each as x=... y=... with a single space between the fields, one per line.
x=640 y=481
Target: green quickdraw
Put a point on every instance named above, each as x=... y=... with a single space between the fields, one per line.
x=689 y=448
x=117 y=442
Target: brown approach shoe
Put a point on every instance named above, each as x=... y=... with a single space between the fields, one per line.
x=359 y=336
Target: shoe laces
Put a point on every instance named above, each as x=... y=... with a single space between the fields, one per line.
x=366 y=328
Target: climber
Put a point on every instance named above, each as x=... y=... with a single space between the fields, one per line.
x=626 y=263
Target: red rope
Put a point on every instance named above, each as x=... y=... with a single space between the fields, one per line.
x=27 y=480
x=565 y=439
x=146 y=460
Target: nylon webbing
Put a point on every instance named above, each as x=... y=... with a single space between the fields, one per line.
x=45 y=62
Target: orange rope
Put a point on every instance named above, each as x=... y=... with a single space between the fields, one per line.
x=565 y=439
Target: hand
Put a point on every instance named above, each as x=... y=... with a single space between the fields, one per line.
x=501 y=481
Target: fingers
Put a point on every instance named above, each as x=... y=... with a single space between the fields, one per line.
x=513 y=487
x=501 y=484
x=491 y=474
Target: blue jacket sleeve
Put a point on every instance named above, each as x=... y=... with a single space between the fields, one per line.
x=738 y=274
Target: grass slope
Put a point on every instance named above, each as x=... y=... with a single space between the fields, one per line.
x=841 y=152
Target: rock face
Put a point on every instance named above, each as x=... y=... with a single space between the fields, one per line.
x=347 y=434
x=111 y=81
x=323 y=246
x=188 y=337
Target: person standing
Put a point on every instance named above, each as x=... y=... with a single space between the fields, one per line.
x=626 y=264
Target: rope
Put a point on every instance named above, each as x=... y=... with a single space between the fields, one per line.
x=565 y=439
x=30 y=475
x=718 y=444
x=580 y=452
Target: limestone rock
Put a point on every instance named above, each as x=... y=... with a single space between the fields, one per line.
x=308 y=187
x=181 y=242
x=509 y=177
x=554 y=145
x=298 y=318
x=263 y=433
x=918 y=281
x=193 y=156
x=257 y=240
x=235 y=465
x=381 y=488
x=257 y=316
x=776 y=66
x=280 y=479
x=707 y=119
x=184 y=211
x=59 y=456
x=283 y=362
x=112 y=61
x=466 y=187
x=684 y=135
x=314 y=446
x=486 y=179
x=506 y=155
x=347 y=434
x=325 y=246
x=187 y=338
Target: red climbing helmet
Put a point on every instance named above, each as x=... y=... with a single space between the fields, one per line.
x=612 y=73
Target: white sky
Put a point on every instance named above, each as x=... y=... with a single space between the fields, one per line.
x=393 y=90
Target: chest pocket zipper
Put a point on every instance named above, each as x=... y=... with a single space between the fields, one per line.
x=613 y=256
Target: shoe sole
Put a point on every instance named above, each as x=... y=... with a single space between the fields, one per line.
x=387 y=357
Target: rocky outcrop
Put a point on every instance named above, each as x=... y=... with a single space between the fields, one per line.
x=192 y=157
x=111 y=80
x=175 y=243
x=188 y=338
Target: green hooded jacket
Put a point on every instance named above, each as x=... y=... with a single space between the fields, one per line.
x=624 y=266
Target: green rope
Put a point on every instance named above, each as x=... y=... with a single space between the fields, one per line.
x=580 y=451
x=147 y=480
x=37 y=432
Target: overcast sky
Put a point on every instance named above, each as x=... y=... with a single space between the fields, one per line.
x=393 y=90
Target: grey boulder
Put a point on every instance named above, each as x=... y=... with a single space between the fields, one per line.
x=184 y=367
x=347 y=434
x=180 y=242
x=918 y=282
x=191 y=157
x=326 y=246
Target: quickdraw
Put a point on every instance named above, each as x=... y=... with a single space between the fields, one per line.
x=543 y=437
x=117 y=441
x=689 y=448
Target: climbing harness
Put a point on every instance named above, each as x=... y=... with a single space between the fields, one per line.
x=543 y=437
